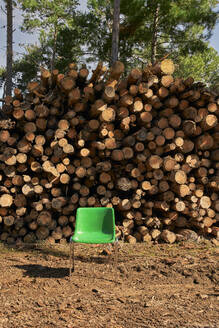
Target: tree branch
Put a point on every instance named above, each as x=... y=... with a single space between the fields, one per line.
x=3 y=10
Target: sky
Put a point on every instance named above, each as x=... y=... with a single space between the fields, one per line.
x=21 y=39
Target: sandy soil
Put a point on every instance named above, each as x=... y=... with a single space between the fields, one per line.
x=155 y=286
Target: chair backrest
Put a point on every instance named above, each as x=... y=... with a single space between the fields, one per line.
x=95 y=219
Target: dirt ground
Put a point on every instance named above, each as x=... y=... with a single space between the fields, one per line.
x=155 y=286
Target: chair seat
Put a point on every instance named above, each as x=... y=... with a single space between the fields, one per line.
x=93 y=238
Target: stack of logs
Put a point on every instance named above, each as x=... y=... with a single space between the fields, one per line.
x=146 y=145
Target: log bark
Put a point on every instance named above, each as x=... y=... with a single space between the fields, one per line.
x=146 y=145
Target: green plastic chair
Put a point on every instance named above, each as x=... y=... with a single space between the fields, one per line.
x=94 y=225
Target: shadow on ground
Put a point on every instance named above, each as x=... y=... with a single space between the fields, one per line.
x=40 y=271
x=44 y=271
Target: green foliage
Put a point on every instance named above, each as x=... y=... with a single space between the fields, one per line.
x=182 y=31
x=68 y=47
x=49 y=18
x=181 y=27
x=2 y=76
x=202 y=66
x=67 y=35
x=97 y=30
x=59 y=38
x=27 y=67
x=45 y=14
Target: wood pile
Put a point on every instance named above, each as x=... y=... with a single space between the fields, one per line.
x=146 y=145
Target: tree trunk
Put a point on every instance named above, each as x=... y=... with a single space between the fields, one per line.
x=154 y=35
x=54 y=47
x=115 y=33
x=9 y=47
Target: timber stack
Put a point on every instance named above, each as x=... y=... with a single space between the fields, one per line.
x=146 y=145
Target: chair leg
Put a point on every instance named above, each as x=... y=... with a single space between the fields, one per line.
x=72 y=259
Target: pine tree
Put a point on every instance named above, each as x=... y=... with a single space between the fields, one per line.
x=202 y=66
x=171 y=26
x=115 y=32
x=150 y=30
x=49 y=18
x=27 y=67
x=9 y=8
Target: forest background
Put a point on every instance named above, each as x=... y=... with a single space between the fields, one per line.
x=53 y=33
